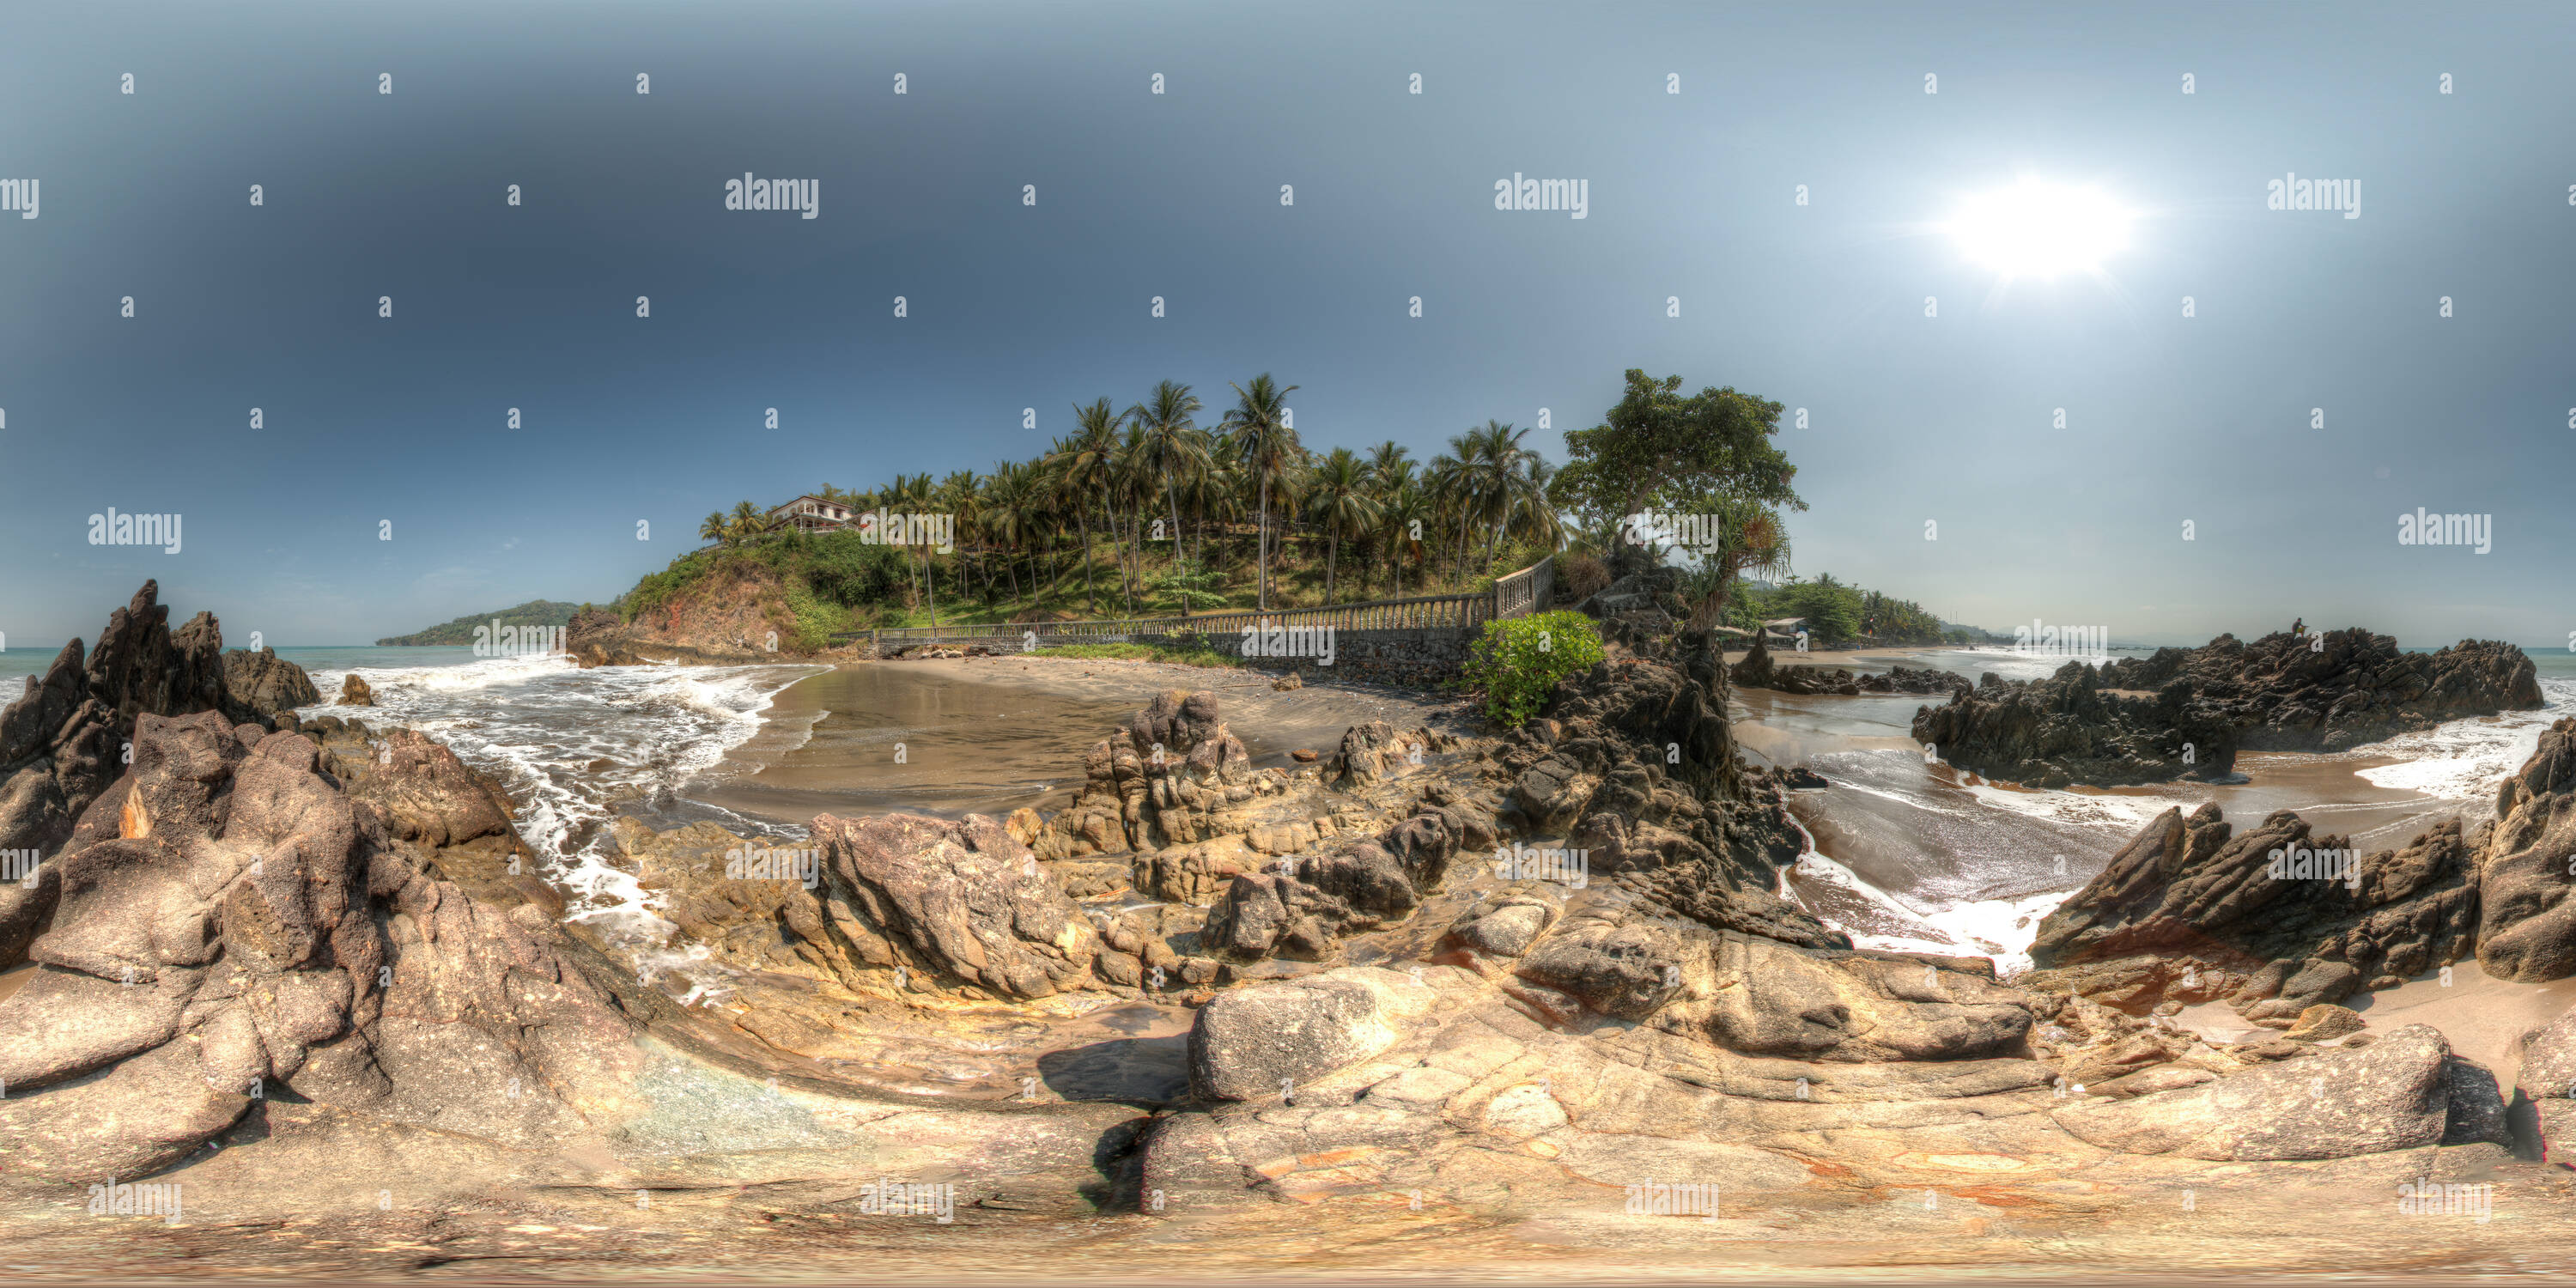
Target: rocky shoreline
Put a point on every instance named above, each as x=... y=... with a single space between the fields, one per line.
x=2185 y=713
x=1424 y=987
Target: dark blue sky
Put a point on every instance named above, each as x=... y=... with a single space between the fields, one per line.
x=1691 y=195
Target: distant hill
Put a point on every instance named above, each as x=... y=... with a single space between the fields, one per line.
x=535 y=612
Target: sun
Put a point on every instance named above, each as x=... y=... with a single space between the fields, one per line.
x=2038 y=229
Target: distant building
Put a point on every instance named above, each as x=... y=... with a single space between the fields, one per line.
x=1784 y=630
x=813 y=514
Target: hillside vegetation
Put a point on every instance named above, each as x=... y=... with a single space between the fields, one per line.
x=535 y=612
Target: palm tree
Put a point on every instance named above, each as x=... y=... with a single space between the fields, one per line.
x=1174 y=443
x=714 y=528
x=746 y=522
x=1390 y=476
x=1401 y=513
x=1266 y=446
x=1083 y=465
x=1339 y=493
x=913 y=492
x=1007 y=520
x=1504 y=483
x=957 y=497
x=1453 y=488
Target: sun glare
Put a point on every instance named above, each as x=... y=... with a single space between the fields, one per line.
x=2036 y=229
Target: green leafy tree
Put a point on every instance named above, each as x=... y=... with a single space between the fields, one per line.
x=1707 y=453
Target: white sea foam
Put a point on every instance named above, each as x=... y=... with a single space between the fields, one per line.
x=2001 y=929
x=2465 y=759
x=574 y=748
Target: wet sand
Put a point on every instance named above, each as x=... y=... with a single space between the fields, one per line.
x=988 y=735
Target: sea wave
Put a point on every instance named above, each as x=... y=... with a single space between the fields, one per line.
x=2465 y=759
x=576 y=748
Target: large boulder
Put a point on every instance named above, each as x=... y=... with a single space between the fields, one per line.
x=1267 y=1039
x=263 y=683
x=2393 y=1094
x=963 y=899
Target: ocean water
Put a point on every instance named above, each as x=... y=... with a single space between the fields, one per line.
x=1924 y=857
x=575 y=748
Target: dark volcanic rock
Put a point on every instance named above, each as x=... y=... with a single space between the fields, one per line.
x=2185 y=713
x=1642 y=776
x=2188 y=910
x=262 y=683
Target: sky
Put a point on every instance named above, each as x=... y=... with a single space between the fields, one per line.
x=385 y=489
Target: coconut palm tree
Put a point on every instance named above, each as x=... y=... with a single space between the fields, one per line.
x=745 y=521
x=1267 y=447
x=957 y=496
x=1081 y=462
x=1504 y=485
x=714 y=528
x=1390 y=472
x=1176 y=446
x=1338 y=493
x=1402 y=513
x=1007 y=520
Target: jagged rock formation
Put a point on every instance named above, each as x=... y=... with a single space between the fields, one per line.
x=2526 y=923
x=64 y=740
x=2190 y=911
x=2278 y=921
x=2185 y=713
x=242 y=928
x=1635 y=765
x=1298 y=912
x=1905 y=679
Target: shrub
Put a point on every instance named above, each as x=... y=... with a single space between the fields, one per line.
x=1579 y=575
x=1518 y=661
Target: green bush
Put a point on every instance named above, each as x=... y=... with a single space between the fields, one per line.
x=1518 y=661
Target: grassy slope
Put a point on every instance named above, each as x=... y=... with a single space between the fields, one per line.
x=809 y=588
